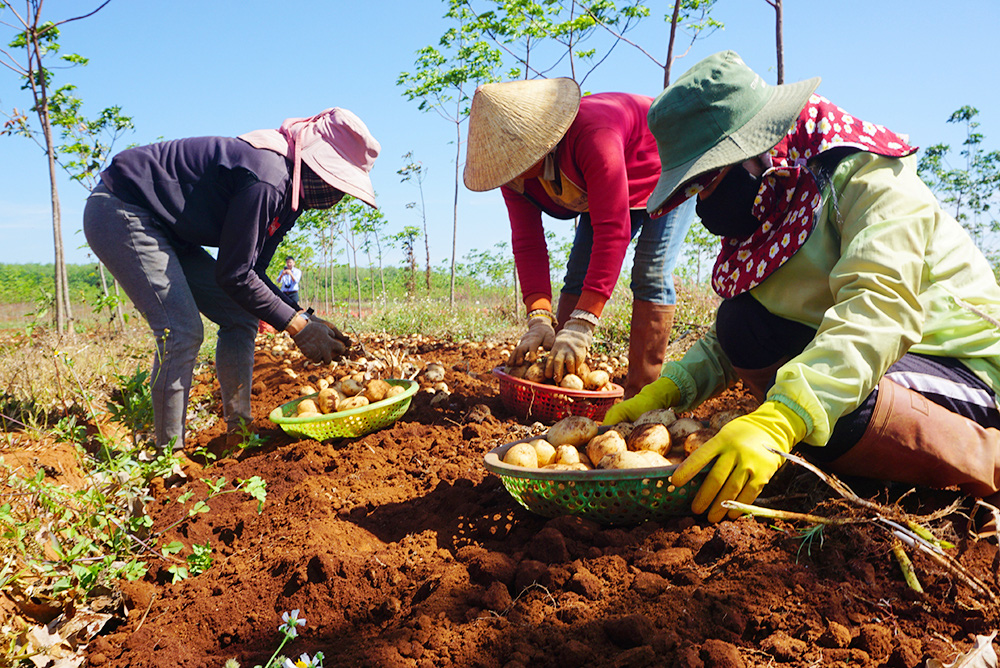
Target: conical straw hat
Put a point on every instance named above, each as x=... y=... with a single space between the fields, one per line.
x=515 y=124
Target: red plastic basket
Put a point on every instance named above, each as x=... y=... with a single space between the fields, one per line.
x=548 y=403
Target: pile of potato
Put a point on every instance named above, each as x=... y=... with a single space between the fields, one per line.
x=350 y=391
x=585 y=378
x=657 y=438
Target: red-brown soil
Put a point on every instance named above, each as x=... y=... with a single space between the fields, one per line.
x=401 y=549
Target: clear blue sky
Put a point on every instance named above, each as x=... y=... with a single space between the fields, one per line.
x=189 y=68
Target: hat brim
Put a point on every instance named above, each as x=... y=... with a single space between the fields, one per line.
x=515 y=124
x=758 y=135
x=343 y=176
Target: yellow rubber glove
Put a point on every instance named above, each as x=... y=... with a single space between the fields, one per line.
x=662 y=393
x=743 y=463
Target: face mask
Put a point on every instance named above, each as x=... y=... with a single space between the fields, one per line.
x=728 y=211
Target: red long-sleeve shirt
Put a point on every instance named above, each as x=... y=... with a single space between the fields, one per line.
x=609 y=153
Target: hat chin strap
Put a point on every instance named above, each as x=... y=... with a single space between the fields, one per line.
x=296 y=172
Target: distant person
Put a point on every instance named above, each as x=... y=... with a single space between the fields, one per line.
x=549 y=151
x=289 y=279
x=858 y=311
x=157 y=205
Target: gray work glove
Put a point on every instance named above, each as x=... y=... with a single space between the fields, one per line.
x=569 y=350
x=319 y=342
x=540 y=333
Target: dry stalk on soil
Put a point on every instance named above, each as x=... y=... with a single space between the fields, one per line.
x=906 y=529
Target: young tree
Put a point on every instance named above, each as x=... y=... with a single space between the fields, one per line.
x=693 y=17
x=970 y=191
x=38 y=38
x=407 y=240
x=415 y=171
x=779 y=40
x=529 y=31
x=442 y=81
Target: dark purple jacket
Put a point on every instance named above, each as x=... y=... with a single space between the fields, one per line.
x=219 y=192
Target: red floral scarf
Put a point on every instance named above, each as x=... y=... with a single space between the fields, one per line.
x=789 y=197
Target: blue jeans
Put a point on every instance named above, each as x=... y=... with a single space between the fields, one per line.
x=171 y=284
x=656 y=253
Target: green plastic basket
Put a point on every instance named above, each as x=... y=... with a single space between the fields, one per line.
x=626 y=496
x=345 y=424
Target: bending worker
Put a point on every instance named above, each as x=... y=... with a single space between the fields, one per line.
x=157 y=205
x=859 y=312
x=552 y=152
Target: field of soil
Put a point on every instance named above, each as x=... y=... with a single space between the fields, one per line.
x=401 y=549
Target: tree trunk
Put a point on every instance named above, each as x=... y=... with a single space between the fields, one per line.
x=37 y=83
x=381 y=271
x=458 y=178
x=64 y=315
x=670 y=43
x=779 y=40
x=357 y=272
x=427 y=241
x=517 y=302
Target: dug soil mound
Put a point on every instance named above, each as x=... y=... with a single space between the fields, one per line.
x=400 y=549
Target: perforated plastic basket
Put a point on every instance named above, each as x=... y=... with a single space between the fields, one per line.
x=346 y=424
x=627 y=496
x=548 y=403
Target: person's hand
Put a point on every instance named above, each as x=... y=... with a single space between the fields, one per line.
x=661 y=393
x=569 y=350
x=540 y=333
x=743 y=461
x=336 y=332
x=319 y=342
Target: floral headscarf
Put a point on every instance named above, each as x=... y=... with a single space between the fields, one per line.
x=789 y=198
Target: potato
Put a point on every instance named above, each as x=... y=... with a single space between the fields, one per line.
x=719 y=419
x=572 y=430
x=328 y=400
x=682 y=427
x=567 y=454
x=434 y=373
x=571 y=382
x=605 y=444
x=663 y=416
x=633 y=460
x=376 y=390
x=291 y=374
x=544 y=450
x=306 y=390
x=595 y=380
x=394 y=391
x=521 y=454
x=308 y=414
x=582 y=370
x=624 y=428
x=306 y=406
x=697 y=439
x=517 y=371
x=651 y=437
x=579 y=466
x=535 y=373
x=352 y=402
x=350 y=387
x=322 y=384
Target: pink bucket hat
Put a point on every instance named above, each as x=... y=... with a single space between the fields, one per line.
x=334 y=143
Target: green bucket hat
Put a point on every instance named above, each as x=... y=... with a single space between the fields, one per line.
x=718 y=113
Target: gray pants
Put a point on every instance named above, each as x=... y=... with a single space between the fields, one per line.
x=171 y=284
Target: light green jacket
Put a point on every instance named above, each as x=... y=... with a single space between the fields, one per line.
x=886 y=271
